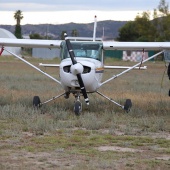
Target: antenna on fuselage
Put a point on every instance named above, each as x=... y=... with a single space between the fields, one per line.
x=95 y=26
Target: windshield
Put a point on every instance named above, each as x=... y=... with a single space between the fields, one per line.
x=84 y=49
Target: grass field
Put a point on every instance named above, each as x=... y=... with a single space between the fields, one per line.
x=102 y=137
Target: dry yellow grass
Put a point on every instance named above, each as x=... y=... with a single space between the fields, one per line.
x=60 y=140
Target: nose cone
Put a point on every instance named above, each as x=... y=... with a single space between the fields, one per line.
x=76 y=69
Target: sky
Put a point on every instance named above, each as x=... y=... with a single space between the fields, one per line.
x=78 y=11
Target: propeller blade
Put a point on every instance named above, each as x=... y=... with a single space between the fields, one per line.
x=70 y=49
x=82 y=87
x=80 y=80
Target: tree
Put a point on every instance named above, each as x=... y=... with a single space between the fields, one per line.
x=74 y=33
x=164 y=21
x=145 y=28
x=128 y=32
x=141 y=29
x=163 y=8
x=62 y=35
x=35 y=36
x=18 y=16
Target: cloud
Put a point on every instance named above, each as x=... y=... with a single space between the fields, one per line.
x=63 y=5
x=64 y=11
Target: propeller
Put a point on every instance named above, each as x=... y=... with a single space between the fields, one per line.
x=77 y=69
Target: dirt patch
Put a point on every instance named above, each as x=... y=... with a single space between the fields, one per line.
x=164 y=157
x=164 y=135
x=118 y=149
x=40 y=160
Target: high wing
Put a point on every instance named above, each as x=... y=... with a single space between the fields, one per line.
x=113 y=45
x=107 y=45
x=30 y=43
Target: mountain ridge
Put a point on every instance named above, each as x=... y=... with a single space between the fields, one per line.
x=108 y=29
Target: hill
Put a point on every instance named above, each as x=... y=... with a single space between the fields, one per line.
x=85 y=30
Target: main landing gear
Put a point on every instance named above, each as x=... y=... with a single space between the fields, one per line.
x=77 y=104
x=127 y=106
x=36 y=102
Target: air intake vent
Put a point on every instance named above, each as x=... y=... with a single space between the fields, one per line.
x=86 y=69
x=67 y=68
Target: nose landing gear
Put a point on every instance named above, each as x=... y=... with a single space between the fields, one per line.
x=77 y=105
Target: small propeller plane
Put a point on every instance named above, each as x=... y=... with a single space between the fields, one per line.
x=82 y=64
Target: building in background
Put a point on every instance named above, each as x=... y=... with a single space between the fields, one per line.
x=45 y=53
x=135 y=56
x=6 y=34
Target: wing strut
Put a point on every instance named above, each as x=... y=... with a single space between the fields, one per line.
x=143 y=53
x=136 y=65
x=33 y=66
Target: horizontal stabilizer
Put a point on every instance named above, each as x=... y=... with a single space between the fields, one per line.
x=49 y=65
x=124 y=67
x=84 y=38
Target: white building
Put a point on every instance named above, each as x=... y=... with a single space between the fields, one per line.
x=45 y=53
x=6 y=34
x=135 y=56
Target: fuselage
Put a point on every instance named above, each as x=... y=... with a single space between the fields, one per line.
x=90 y=57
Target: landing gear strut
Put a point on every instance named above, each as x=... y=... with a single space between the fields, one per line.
x=37 y=102
x=126 y=107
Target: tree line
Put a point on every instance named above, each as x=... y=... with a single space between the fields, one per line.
x=144 y=29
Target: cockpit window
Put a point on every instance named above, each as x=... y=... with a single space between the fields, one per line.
x=84 y=49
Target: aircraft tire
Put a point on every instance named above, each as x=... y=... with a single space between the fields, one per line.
x=77 y=108
x=128 y=105
x=36 y=102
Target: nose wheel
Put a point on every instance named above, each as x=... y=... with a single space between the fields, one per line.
x=77 y=106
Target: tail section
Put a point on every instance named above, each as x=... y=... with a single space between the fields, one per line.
x=95 y=26
x=88 y=38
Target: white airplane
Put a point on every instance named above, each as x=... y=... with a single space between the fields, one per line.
x=82 y=64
